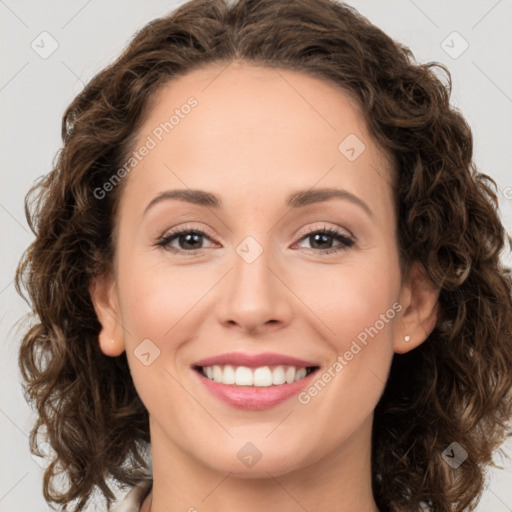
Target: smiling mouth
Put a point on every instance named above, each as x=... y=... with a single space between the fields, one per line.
x=263 y=376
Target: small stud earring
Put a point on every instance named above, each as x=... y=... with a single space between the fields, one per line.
x=112 y=341
x=407 y=338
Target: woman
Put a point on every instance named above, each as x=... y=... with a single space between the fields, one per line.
x=265 y=254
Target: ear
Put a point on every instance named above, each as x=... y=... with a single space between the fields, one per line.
x=104 y=298
x=419 y=298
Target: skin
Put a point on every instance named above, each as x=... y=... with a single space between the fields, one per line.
x=257 y=135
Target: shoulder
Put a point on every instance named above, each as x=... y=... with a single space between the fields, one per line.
x=132 y=501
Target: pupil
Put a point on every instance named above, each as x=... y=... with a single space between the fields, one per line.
x=322 y=238
x=189 y=240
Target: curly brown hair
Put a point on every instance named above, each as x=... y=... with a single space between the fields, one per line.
x=456 y=386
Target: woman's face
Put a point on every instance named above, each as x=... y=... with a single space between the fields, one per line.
x=270 y=264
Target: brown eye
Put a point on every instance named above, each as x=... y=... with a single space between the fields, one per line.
x=322 y=240
x=185 y=240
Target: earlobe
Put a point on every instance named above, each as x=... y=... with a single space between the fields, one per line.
x=104 y=299
x=420 y=300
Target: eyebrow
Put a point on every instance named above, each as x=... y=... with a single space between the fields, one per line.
x=297 y=199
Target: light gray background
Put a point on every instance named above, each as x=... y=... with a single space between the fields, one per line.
x=34 y=93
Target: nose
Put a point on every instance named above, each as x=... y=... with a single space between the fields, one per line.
x=255 y=299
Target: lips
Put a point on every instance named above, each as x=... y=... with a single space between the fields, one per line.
x=254 y=381
x=255 y=360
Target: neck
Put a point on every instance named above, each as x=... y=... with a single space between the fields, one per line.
x=339 y=482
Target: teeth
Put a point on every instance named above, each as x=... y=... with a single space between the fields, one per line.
x=263 y=376
x=278 y=376
x=228 y=376
x=289 y=375
x=243 y=376
x=217 y=373
x=300 y=374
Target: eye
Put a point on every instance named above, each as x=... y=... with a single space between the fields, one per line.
x=190 y=240
x=321 y=240
x=187 y=240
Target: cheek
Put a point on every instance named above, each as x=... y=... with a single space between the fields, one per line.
x=154 y=305
x=356 y=308
x=153 y=300
x=350 y=299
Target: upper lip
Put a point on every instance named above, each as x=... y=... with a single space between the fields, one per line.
x=254 y=360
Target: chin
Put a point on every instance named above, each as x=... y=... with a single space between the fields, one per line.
x=246 y=460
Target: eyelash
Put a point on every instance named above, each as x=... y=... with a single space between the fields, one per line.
x=164 y=241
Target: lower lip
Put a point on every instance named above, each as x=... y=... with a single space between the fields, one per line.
x=253 y=397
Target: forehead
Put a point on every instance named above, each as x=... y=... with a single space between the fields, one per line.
x=259 y=126
x=242 y=95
